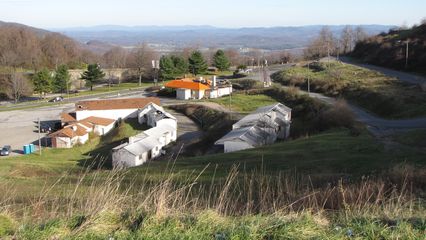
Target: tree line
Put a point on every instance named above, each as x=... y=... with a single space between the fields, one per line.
x=327 y=44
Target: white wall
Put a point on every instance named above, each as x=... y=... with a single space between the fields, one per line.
x=168 y=121
x=102 y=130
x=198 y=94
x=123 y=158
x=83 y=139
x=224 y=91
x=64 y=141
x=230 y=146
x=183 y=94
x=112 y=114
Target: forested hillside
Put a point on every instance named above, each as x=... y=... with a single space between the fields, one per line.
x=27 y=47
x=390 y=49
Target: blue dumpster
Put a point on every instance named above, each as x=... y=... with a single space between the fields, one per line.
x=32 y=148
x=27 y=149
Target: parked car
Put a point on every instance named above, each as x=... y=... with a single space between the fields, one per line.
x=5 y=151
x=57 y=99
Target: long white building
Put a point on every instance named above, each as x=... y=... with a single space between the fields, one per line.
x=262 y=127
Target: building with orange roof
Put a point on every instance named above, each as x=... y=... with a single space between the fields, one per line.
x=199 y=88
x=69 y=136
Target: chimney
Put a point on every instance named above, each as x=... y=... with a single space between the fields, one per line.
x=214 y=81
x=131 y=140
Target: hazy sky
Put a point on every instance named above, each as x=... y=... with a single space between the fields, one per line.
x=222 y=13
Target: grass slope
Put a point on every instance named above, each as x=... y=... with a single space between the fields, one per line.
x=382 y=95
x=330 y=154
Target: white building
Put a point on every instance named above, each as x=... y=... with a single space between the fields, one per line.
x=68 y=137
x=262 y=127
x=78 y=132
x=147 y=145
x=112 y=108
x=99 y=126
x=197 y=89
x=154 y=115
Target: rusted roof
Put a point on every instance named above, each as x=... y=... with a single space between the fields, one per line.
x=97 y=121
x=187 y=84
x=111 y=104
x=69 y=132
x=68 y=117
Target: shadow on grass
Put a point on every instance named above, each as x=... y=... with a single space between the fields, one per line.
x=100 y=157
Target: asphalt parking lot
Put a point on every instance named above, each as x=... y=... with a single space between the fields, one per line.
x=19 y=127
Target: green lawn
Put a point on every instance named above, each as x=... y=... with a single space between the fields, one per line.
x=330 y=154
x=244 y=103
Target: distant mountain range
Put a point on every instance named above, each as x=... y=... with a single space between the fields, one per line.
x=273 y=38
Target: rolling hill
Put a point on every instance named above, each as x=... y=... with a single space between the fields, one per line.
x=274 y=38
x=390 y=49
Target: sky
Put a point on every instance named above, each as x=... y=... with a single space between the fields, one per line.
x=219 y=13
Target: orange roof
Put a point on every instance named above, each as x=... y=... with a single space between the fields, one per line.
x=97 y=121
x=69 y=132
x=111 y=104
x=187 y=84
x=68 y=117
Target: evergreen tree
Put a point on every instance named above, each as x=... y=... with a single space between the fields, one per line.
x=42 y=82
x=181 y=65
x=92 y=75
x=221 y=61
x=167 y=68
x=61 y=81
x=197 y=64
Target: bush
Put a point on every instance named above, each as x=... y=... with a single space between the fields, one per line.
x=244 y=84
x=339 y=115
x=167 y=92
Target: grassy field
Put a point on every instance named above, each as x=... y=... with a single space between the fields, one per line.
x=244 y=103
x=330 y=185
x=382 y=95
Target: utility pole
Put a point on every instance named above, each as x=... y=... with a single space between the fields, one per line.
x=39 y=135
x=230 y=104
x=309 y=83
x=406 y=55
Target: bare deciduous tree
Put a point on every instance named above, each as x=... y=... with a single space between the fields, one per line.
x=16 y=85
x=140 y=59
x=324 y=45
x=346 y=39
x=115 y=58
x=360 y=34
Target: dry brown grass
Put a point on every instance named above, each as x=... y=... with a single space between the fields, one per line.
x=96 y=194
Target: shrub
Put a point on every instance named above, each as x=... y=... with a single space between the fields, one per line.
x=167 y=92
x=339 y=115
x=245 y=84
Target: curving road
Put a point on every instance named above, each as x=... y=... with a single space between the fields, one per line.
x=402 y=76
x=378 y=126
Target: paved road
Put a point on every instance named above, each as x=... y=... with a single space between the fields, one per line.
x=403 y=76
x=113 y=94
x=376 y=125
